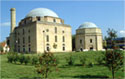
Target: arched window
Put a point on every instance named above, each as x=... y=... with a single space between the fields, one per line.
x=63 y=39
x=55 y=29
x=47 y=38
x=55 y=38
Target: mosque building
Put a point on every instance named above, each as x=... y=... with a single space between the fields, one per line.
x=88 y=37
x=41 y=30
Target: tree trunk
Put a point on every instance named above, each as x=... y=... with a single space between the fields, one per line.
x=113 y=75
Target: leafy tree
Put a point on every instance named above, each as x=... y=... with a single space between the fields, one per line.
x=112 y=34
x=47 y=63
x=114 y=60
x=114 y=57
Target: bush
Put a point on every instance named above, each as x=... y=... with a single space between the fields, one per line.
x=15 y=57
x=35 y=60
x=21 y=59
x=47 y=63
x=26 y=59
x=70 y=60
x=10 y=58
x=83 y=60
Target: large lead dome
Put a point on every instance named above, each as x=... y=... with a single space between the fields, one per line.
x=87 y=25
x=41 y=12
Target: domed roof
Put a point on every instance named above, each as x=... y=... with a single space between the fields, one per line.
x=41 y=12
x=87 y=25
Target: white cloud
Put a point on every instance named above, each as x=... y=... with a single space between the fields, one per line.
x=5 y=24
x=122 y=32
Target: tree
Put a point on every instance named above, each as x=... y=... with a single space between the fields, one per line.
x=47 y=63
x=114 y=57
x=112 y=34
x=114 y=60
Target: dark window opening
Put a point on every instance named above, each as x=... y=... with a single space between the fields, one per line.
x=47 y=38
x=55 y=38
x=55 y=29
x=23 y=32
x=29 y=39
x=63 y=47
x=90 y=40
x=54 y=20
x=23 y=40
x=29 y=49
x=63 y=39
x=80 y=41
x=38 y=18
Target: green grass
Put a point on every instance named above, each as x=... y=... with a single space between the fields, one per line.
x=17 y=71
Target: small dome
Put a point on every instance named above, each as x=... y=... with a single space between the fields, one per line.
x=87 y=25
x=41 y=12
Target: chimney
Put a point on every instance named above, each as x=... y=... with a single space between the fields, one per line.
x=13 y=19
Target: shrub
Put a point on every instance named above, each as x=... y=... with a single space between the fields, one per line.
x=114 y=60
x=83 y=60
x=15 y=57
x=26 y=59
x=10 y=58
x=21 y=59
x=35 y=60
x=47 y=63
x=70 y=60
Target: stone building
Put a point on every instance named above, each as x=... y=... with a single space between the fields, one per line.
x=41 y=30
x=88 y=37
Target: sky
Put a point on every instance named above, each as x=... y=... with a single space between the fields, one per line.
x=105 y=14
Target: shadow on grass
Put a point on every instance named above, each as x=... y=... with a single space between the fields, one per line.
x=91 y=76
x=30 y=78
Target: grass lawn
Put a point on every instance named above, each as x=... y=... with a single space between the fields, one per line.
x=77 y=71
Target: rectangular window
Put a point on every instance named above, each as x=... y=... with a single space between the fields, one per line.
x=54 y=20
x=23 y=40
x=55 y=29
x=63 y=39
x=38 y=18
x=55 y=38
x=80 y=41
x=90 y=40
x=47 y=38
x=29 y=39
x=23 y=32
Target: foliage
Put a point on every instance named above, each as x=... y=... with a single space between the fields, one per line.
x=47 y=63
x=1 y=48
x=114 y=60
x=83 y=60
x=26 y=59
x=35 y=60
x=21 y=59
x=10 y=57
x=9 y=70
x=70 y=60
x=15 y=57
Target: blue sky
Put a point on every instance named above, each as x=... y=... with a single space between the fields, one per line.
x=105 y=14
